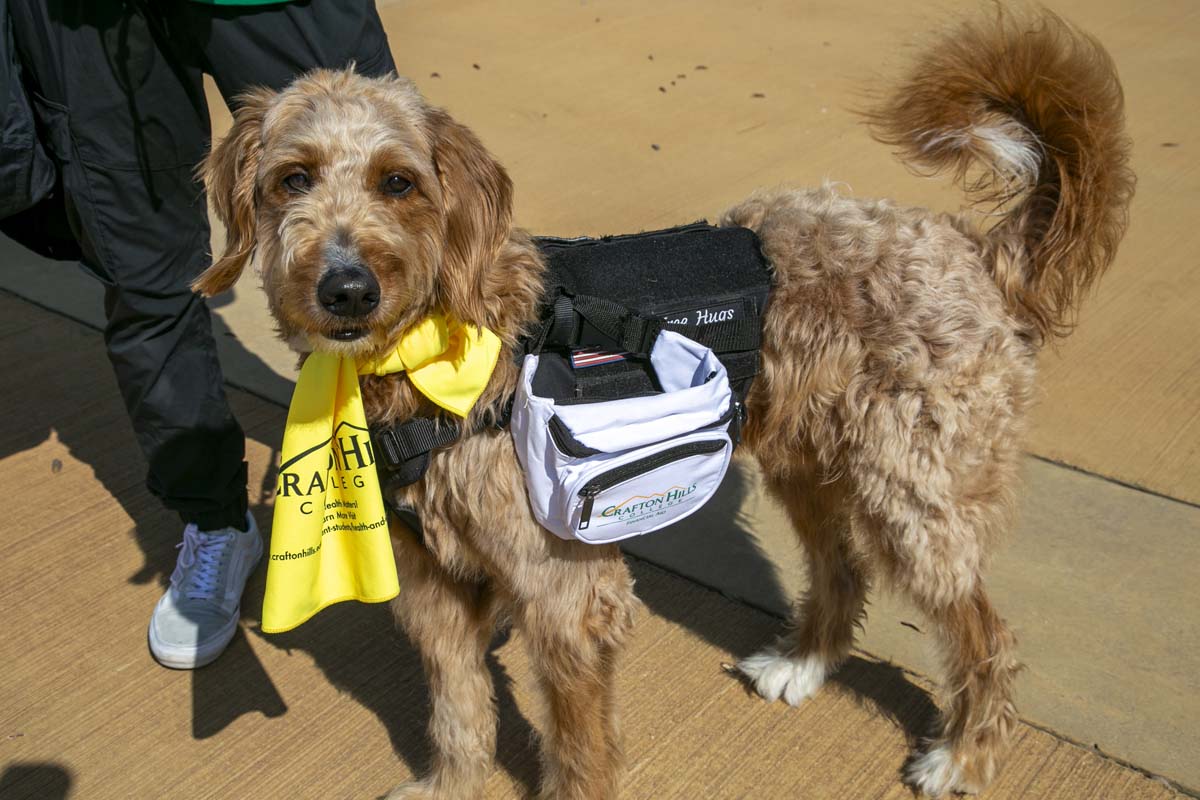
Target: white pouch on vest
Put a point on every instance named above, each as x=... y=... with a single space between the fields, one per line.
x=604 y=471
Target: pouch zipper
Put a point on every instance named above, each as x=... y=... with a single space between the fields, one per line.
x=609 y=479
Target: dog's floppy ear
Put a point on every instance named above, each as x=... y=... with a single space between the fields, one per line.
x=229 y=173
x=477 y=205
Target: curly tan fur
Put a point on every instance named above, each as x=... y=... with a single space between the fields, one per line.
x=898 y=367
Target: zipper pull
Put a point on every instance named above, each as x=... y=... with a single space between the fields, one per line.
x=588 y=493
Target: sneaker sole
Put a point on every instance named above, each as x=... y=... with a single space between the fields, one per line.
x=176 y=657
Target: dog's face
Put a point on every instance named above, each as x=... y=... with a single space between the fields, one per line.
x=365 y=206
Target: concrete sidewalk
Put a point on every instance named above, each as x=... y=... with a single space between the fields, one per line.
x=337 y=708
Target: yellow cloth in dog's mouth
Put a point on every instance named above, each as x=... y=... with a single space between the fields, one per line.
x=329 y=539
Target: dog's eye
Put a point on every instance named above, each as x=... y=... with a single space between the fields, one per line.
x=297 y=183
x=397 y=185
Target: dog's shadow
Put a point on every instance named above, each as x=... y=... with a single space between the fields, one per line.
x=716 y=546
x=360 y=652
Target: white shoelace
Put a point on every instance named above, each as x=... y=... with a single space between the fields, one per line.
x=204 y=551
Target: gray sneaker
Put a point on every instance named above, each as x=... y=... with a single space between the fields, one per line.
x=198 y=615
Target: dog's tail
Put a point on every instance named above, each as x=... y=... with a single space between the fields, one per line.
x=1027 y=111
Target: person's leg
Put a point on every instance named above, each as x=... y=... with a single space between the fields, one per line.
x=127 y=123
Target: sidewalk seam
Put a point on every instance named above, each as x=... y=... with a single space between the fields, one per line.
x=1095 y=748
x=1109 y=479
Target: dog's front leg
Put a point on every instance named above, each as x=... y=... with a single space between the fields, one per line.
x=576 y=625
x=451 y=623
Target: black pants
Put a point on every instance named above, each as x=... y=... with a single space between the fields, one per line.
x=119 y=95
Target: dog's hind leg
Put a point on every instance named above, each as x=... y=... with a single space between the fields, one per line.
x=978 y=715
x=451 y=623
x=932 y=545
x=576 y=618
x=823 y=622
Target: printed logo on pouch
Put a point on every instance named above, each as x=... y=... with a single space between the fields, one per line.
x=642 y=506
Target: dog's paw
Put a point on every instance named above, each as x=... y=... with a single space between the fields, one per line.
x=938 y=773
x=775 y=675
x=411 y=790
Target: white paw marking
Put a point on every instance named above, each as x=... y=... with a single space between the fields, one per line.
x=410 y=790
x=774 y=675
x=938 y=774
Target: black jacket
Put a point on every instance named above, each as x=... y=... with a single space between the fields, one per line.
x=32 y=210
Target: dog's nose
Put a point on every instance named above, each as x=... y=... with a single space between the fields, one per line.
x=348 y=292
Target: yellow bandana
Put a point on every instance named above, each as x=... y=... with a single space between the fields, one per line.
x=329 y=539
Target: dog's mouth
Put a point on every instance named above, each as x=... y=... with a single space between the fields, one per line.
x=347 y=334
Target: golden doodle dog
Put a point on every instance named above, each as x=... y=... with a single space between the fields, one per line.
x=898 y=365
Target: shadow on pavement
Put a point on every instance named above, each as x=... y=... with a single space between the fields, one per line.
x=35 y=781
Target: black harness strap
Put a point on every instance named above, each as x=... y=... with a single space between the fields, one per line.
x=402 y=451
x=562 y=329
x=402 y=456
x=730 y=336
